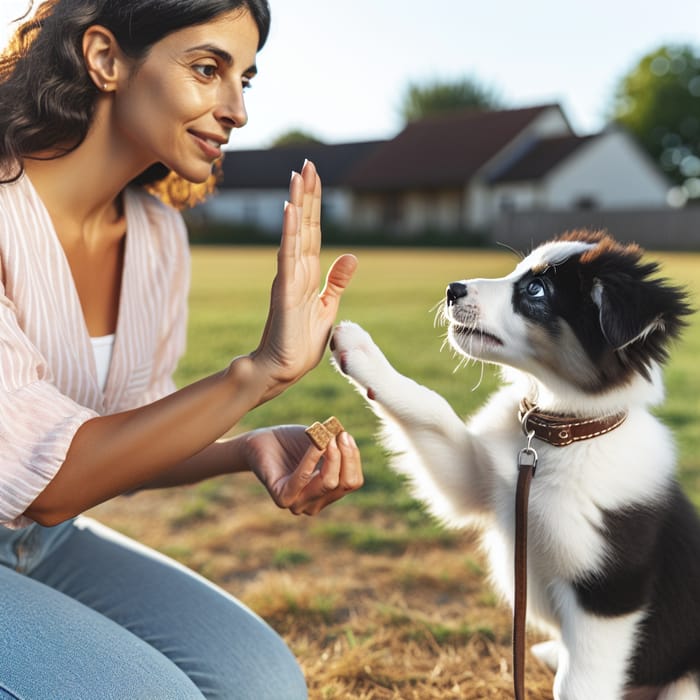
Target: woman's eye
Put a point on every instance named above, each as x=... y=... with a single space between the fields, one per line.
x=206 y=70
x=535 y=289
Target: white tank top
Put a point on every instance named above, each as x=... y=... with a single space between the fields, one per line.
x=102 y=348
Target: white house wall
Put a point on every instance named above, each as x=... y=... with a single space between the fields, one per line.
x=514 y=197
x=263 y=208
x=611 y=172
x=368 y=211
x=431 y=210
x=482 y=202
x=551 y=122
x=477 y=198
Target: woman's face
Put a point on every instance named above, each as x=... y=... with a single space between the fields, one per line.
x=179 y=105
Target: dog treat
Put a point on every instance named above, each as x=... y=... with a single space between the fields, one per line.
x=333 y=425
x=322 y=433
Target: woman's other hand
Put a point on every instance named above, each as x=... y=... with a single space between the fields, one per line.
x=301 y=315
x=299 y=476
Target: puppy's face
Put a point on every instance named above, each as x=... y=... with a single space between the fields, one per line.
x=581 y=308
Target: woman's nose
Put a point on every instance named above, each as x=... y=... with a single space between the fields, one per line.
x=232 y=112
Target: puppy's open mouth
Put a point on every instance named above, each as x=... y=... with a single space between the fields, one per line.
x=462 y=331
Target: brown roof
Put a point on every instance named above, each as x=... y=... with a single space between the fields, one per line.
x=271 y=168
x=539 y=160
x=441 y=151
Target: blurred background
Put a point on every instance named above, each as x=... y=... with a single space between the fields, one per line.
x=470 y=123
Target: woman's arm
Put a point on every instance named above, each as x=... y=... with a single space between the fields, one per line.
x=113 y=454
x=298 y=476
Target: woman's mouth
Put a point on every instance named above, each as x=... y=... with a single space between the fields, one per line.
x=210 y=147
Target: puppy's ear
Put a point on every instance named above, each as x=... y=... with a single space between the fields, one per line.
x=634 y=308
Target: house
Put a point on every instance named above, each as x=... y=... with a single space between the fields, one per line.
x=255 y=183
x=461 y=171
x=607 y=170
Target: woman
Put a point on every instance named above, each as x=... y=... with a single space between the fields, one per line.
x=100 y=99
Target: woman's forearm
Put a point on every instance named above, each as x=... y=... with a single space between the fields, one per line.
x=111 y=455
x=221 y=457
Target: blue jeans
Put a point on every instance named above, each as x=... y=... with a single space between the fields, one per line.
x=87 y=614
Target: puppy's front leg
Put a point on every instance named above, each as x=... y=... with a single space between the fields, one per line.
x=446 y=464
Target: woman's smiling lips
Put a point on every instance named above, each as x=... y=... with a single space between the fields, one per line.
x=209 y=143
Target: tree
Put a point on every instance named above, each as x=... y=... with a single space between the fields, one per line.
x=426 y=99
x=295 y=137
x=659 y=103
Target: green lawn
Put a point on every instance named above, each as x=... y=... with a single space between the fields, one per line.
x=393 y=296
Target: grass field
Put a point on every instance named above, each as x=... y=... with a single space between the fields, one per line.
x=375 y=599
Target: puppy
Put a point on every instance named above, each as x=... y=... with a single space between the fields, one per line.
x=581 y=328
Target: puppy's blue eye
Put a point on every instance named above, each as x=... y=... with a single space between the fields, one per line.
x=535 y=289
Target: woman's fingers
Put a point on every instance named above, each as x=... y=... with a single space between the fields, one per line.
x=340 y=473
x=302 y=476
x=311 y=210
x=301 y=229
x=339 y=276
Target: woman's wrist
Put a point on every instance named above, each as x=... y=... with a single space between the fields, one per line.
x=234 y=457
x=254 y=375
x=248 y=380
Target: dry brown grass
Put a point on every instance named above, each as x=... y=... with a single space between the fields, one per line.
x=409 y=620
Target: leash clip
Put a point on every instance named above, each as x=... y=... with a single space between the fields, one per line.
x=527 y=457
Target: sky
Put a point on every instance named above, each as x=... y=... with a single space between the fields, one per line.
x=338 y=69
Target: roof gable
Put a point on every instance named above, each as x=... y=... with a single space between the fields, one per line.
x=271 y=168
x=541 y=158
x=445 y=150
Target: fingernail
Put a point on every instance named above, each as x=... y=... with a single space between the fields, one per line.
x=294 y=172
x=306 y=160
x=346 y=439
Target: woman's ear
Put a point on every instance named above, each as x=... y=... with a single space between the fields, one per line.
x=103 y=57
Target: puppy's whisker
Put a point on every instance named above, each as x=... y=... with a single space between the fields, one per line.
x=518 y=253
x=481 y=375
x=440 y=315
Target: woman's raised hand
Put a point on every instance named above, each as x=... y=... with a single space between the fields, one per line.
x=301 y=315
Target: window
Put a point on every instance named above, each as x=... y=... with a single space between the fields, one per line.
x=585 y=202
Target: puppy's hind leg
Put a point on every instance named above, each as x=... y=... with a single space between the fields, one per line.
x=547 y=653
x=448 y=467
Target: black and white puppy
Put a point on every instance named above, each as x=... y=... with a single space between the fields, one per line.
x=581 y=327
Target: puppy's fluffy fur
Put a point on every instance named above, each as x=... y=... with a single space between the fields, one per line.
x=581 y=327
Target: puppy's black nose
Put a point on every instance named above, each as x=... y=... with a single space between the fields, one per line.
x=455 y=290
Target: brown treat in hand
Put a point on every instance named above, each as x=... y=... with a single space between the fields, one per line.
x=333 y=425
x=319 y=435
x=322 y=433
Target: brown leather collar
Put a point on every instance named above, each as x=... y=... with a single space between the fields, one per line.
x=565 y=430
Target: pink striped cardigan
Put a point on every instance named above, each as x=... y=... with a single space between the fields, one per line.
x=48 y=382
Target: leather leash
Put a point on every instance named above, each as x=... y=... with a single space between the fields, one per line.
x=558 y=431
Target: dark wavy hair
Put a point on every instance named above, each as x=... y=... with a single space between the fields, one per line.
x=47 y=99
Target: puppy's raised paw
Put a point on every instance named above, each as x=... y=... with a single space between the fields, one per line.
x=356 y=355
